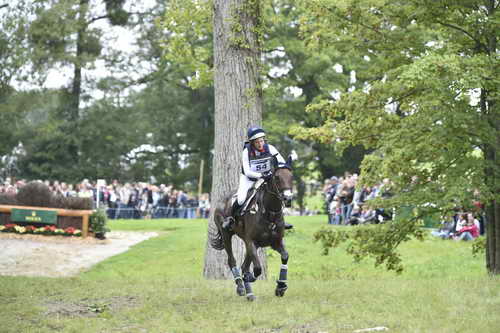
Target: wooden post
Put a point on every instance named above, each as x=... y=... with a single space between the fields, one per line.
x=200 y=181
x=85 y=225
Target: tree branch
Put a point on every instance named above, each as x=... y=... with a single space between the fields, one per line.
x=92 y=20
x=478 y=42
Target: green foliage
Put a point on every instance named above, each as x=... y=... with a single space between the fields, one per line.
x=98 y=222
x=479 y=246
x=315 y=203
x=188 y=25
x=310 y=70
x=377 y=241
x=117 y=15
x=159 y=108
x=429 y=103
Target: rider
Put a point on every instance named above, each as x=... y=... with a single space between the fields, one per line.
x=257 y=158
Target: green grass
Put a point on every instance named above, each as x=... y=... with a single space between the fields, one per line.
x=157 y=286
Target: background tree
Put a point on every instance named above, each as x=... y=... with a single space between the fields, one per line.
x=238 y=105
x=296 y=76
x=13 y=56
x=65 y=34
x=430 y=114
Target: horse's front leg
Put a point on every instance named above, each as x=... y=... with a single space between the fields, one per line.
x=248 y=277
x=231 y=261
x=281 y=286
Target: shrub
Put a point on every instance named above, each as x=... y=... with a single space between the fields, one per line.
x=34 y=194
x=98 y=222
x=8 y=199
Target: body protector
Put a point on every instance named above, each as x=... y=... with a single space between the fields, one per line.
x=254 y=164
x=258 y=161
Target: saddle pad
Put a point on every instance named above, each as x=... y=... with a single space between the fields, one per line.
x=253 y=191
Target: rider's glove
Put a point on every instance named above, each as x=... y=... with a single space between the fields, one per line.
x=267 y=175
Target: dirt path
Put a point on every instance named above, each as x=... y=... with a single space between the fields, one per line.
x=56 y=256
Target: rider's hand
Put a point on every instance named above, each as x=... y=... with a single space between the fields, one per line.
x=267 y=175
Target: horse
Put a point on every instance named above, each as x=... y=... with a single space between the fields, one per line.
x=261 y=225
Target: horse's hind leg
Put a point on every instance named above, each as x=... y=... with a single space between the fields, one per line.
x=231 y=261
x=281 y=285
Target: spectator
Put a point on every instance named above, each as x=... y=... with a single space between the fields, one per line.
x=446 y=229
x=469 y=229
x=345 y=196
x=204 y=206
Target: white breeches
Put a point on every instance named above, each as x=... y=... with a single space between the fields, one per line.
x=245 y=185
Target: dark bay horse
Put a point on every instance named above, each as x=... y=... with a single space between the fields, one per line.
x=262 y=225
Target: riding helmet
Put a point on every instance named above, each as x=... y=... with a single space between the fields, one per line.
x=255 y=133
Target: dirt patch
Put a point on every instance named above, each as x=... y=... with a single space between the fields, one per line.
x=89 y=307
x=58 y=256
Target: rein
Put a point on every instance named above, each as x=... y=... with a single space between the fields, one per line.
x=272 y=189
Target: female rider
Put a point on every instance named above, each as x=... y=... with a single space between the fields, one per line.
x=257 y=160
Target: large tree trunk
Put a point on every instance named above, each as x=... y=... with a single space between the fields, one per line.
x=238 y=105
x=492 y=155
x=492 y=171
x=73 y=116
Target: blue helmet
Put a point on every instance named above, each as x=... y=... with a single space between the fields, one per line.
x=255 y=133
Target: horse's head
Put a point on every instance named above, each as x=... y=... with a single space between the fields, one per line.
x=283 y=178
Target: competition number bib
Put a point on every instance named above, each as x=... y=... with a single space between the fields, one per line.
x=262 y=165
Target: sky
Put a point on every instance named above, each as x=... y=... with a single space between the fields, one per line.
x=122 y=39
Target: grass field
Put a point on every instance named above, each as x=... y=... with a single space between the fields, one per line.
x=157 y=286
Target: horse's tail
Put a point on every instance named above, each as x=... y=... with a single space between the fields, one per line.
x=214 y=234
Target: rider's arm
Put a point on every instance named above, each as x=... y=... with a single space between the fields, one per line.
x=276 y=153
x=246 y=166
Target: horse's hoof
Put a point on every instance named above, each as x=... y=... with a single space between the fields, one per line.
x=251 y=297
x=240 y=290
x=280 y=292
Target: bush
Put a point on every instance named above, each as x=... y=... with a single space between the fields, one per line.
x=37 y=194
x=8 y=199
x=34 y=194
x=98 y=222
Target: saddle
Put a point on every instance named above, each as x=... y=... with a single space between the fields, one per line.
x=250 y=195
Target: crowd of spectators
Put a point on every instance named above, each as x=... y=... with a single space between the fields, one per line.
x=129 y=200
x=464 y=226
x=346 y=205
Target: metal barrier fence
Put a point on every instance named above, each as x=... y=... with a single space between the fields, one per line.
x=159 y=212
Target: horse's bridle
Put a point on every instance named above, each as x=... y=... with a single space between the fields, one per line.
x=285 y=197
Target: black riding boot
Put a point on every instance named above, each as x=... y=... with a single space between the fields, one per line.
x=229 y=221
x=288 y=226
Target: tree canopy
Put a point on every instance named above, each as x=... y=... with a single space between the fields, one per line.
x=428 y=108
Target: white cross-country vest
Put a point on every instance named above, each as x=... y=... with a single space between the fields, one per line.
x=259 y=161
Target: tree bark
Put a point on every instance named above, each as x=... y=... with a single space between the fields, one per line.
x=492 y=173
x=76 y=88
x=238 y=105
x=492 y=153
